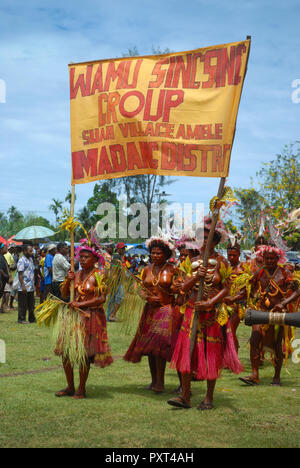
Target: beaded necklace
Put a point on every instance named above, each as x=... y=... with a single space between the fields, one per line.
x=156 y=279
x=267 y=291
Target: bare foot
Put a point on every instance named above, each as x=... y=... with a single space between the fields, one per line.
x=66 y=392
x=276 y=383
x=150 y=386
x=158 y=389
x=79 y=396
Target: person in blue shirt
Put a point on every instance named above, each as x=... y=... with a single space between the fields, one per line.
x=48 y=269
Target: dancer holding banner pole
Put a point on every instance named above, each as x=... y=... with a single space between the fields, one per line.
x=195 y=328
x=215 y=217
x=205 y=344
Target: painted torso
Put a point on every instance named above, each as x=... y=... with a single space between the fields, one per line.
x=159 y=282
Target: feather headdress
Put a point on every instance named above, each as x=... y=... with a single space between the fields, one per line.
x=276 y=237
x=234 y=240
x=91 y=244
x=270 y=249
x=163 y=237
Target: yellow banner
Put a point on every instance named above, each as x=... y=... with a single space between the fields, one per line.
x=171 y=114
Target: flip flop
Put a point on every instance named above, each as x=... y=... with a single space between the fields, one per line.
x=178 y=402
x=205 y=406
x=249 y=381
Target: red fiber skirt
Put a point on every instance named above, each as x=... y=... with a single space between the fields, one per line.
x=154 y=334
x=214 y=349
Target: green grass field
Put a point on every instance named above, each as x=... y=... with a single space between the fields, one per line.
x=119 y=412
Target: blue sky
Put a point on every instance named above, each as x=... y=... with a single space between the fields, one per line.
x=39 y=38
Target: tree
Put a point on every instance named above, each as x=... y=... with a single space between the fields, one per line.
x=34 y=220
x=278 y=196
x=14 y=216
x=279 y=182
x=68 y=197
x=15 y=221
x=56 y=207
x=85 y=218
x=248 y=212
x=104 y=192
x=3 y=224
x=146 y=189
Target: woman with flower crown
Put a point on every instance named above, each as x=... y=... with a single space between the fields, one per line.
x=154 y=334
x=89 y=298
x=214 y=348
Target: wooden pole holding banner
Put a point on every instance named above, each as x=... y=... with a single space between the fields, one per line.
x=215 y=216
x=72 y=288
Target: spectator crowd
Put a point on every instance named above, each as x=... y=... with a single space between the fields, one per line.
x=30 y=272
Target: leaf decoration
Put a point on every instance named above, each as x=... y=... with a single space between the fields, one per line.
x=225 y=273
x=186 y=267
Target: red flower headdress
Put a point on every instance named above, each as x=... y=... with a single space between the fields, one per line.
x=268 y=248
x=188 y=240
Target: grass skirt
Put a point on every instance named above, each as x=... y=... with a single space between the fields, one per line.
x=95 y=339
x=213 y=351
x=154 y=334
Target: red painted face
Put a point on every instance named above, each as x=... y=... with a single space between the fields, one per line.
x=87 y=260
x=233 y=256
x=270 y=259
x=158 y=256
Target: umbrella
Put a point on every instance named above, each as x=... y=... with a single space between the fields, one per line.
x=34 y=232
x=137 y=251
x=140 y=246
